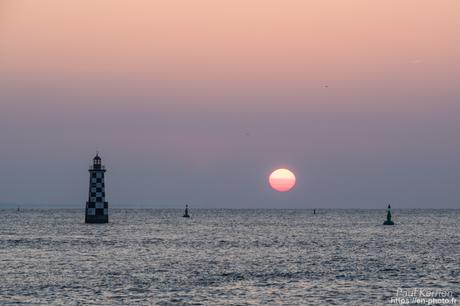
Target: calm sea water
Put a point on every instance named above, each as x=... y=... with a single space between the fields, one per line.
x=221 y=257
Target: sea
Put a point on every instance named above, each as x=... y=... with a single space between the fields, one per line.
x=230 y=257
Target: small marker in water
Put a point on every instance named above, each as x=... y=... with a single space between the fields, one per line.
x=186 y=215
x=388 y=221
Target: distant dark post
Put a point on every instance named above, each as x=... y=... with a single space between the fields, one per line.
x=388 y=221
x=186 y=215
x=97 y=209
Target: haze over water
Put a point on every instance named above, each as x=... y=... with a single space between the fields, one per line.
x=223 y=257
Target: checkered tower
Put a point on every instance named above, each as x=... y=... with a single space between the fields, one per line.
x=97 y=209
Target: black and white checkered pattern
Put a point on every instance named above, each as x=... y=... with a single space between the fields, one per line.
x=97 y=210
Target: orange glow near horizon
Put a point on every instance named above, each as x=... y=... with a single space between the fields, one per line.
x=282 y=180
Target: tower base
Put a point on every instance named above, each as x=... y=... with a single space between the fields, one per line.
x=388 y=223
x=97 y=219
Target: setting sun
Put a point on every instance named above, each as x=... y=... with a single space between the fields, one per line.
x=282 y=180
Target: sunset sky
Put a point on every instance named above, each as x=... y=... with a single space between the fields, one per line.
x=199 y=101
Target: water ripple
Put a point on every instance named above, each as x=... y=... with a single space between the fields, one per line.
x=225 y=257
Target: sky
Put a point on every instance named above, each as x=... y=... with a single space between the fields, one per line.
x=199 y=101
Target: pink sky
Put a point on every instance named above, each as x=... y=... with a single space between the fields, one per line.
x=371 y=87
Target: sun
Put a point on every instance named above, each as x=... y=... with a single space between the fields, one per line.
x=282 y=180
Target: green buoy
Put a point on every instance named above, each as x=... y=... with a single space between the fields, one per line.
x=388 y=221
